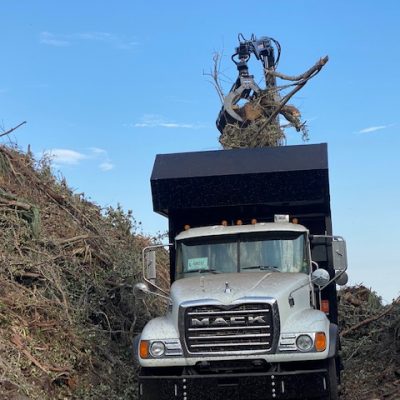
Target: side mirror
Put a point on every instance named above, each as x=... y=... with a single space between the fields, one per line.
x=339 y=253
x=140 y=290
x=320 y=277
x=341 y=278
x=150 y=265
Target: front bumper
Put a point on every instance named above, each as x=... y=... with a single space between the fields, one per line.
x=240 y=386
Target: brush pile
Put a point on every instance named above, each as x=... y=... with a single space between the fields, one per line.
x=260 y=126
x=67 y=312
x=370 y=336
x=68 y=316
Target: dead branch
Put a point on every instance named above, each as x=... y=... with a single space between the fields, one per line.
x=12 y=129
x=16 y=204
x=72 y=240
x=371 y=319
x=305 y=77
x=17 y=341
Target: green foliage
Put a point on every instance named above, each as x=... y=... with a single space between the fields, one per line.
x=66 y=276
x=121 y=220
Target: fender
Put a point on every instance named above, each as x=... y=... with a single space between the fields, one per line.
x=333 y=340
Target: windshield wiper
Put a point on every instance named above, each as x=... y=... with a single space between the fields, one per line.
x=264 y=267
x=212 y=270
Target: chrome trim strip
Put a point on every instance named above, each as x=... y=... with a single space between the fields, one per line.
x=222 y=328
x=229 y=336
x=230 y=344
x=228 y=312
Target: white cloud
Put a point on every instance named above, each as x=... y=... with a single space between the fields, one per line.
x=106 y=166
x=157 y=121
x=63 y=40
x=65 y=156
x=100 y=36
x=98 y=153
x=106 y=37
x=97 y=150
x=68 y=157
x=52 y=40
x=375 y=128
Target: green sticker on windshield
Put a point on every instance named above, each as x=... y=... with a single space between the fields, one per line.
x=197 y=263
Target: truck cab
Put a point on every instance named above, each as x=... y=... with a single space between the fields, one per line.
x=251 y=312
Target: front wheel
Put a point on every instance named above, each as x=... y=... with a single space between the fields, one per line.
x=332 y=380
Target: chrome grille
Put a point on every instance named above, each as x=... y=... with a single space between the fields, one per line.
x=215 y=329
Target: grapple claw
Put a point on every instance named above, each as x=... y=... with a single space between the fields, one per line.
x=246 y=85
x=229 y=101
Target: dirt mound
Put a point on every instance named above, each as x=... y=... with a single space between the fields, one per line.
x=370 y=345
x=67 y=267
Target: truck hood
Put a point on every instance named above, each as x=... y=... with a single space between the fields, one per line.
x=246 y=284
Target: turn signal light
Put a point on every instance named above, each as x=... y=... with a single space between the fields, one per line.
x=144 y=349
x=320 y=341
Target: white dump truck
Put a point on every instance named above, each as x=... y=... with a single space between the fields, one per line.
x=252 y=307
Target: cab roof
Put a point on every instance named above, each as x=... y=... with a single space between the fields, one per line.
x=219 y=230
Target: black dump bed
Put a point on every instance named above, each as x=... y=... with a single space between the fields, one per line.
x=204 y=188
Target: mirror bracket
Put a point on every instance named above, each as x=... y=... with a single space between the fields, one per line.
x=149 y=266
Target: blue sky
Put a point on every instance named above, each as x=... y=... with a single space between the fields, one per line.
x=105 y=86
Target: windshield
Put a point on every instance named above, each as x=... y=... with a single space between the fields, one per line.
x=280 y=252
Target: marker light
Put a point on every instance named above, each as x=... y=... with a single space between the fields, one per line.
x=144 y=349
x=320 y=341
x=224 y=222
x=186 y=227
x=295 y=221
x=239 y=222
x=325 y=306
x=253 y=221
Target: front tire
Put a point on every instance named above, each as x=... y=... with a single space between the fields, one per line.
x=333 y=380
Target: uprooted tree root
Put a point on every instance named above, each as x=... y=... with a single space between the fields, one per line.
x=67 y=268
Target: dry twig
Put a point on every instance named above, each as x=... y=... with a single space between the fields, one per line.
x=12 y=129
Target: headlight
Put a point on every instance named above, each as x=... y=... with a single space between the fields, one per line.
x=304 y=343
x=157 y=349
